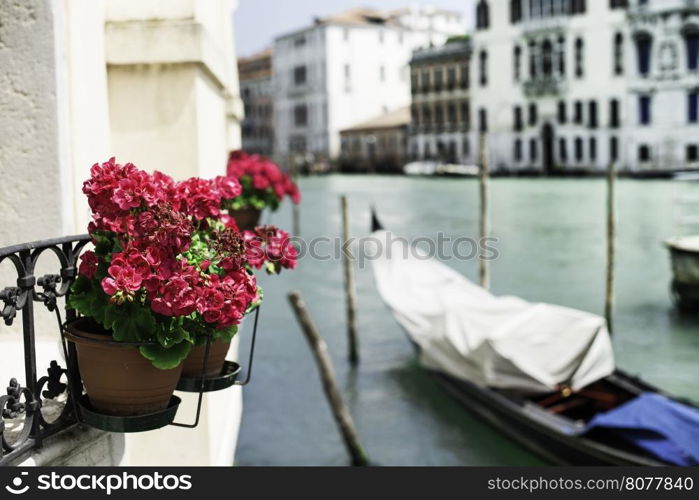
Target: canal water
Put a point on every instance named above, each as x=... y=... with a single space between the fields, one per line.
x=551 y=244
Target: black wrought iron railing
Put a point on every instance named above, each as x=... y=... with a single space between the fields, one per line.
x=25 y=423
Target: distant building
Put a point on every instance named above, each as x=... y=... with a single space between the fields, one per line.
x=573 y=85
x=347 y=68
x=377 y=145
x=441 y=115
x=255 y=74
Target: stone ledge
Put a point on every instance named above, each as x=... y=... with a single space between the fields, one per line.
x=77 y=446
x=130 y=43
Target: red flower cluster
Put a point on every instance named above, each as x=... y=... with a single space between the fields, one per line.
x=264 y=175
x=149 y=222
x=270 y=245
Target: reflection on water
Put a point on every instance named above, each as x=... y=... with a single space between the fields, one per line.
x=551 y=242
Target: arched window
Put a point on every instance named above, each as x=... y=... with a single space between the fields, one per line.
x=482 y=15
x=614 y=116
x=517 y=62
x=579 y=58
x=483 y=67
x=515 y=11
x=644 y=46
x=691 y=38
x=561 y=56
x=547 y=58
x=618 y=54
x=533 y=51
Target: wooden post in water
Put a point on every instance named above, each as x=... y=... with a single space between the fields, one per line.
x=295 y=214
x=350 y=292
x=484 y=270
x=327 y=375
x=611 y=230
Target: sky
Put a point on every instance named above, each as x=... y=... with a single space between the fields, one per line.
x=258 y=22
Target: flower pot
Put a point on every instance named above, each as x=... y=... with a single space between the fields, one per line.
x=191 y=367
x=246 y=218
x=118 y=379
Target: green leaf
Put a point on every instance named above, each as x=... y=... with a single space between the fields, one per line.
x=226 y=334
x=171 y=333
x=131 y=322
x=166 y=358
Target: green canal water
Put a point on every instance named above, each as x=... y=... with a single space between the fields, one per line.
x=551 y=248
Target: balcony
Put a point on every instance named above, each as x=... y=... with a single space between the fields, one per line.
x=544 y=87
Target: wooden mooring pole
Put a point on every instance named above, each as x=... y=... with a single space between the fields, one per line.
x=350 y=291
x=484 y=269
x=327 y=375
x=611 y=232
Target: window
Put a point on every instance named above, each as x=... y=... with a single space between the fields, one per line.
x=415 y=115
x=517 y=61
x=644 y=45
x=562 y=112
x=593 y=114
x=578 y=116
x=483 y=120
x=427 y=115
x=532 y=60
x=533 y=150
x=561 y=56
x=618 y=4
x=693 y=153
x=644 y=153
x=465 y=83
x=593 y=149
x=299 y=75
x=578 y=149
x=300 y=42
x=578 y=6
x=438 y=76
x=618 y=54
x=579 y=58
x=693 y=107
x=451 y=77
x=547 y=58
x=451 y=113
x=382 y=73
x=466 y=149
x=533 y=114
x=614 y=119
x=425 y=80
x=691 y=38
x=644 y=110
x=439 y=115
x=614 y=149
x=518 y=123
x=300 y=115
x=381 y=36
x=562 y=150
x=483 y=67
x=482 y=15
x=413 y=80
x=466 y=115
x=515 y=11
x=518 y=150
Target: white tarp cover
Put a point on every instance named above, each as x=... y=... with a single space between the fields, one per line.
x=501 y=342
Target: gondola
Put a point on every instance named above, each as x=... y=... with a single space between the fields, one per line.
x=554 y=425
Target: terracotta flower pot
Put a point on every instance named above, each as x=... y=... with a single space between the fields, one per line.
x=118 y=379
x=191 y=367
x=246 y=218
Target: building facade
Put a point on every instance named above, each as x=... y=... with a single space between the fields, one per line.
x=377 y=145
x=255 y=75
x=440 y=110
x=566 y=85
x=346 y=69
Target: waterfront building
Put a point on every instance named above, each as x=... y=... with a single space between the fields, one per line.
x=440 y=107
x=376 y=145
x=255 y=74
x=566 y=85
x=348 y=68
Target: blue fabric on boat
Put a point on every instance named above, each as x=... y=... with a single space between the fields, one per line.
x=667 y=429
